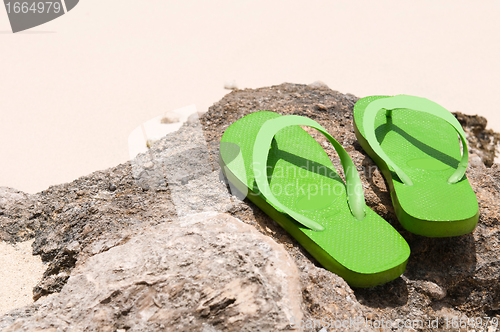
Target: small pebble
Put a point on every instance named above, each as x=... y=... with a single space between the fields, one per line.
x=73 y=247
x=112 y=187
x=148 y=165
x=321 y=107
x=433 y=290
x=318 y=85
x=231 y=85
x=475 y=161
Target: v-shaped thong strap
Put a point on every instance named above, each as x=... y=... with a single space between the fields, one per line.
x=355 y=195
x=416 y=104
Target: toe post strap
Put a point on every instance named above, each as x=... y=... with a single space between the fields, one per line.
x=417 y=104
x=355 y=195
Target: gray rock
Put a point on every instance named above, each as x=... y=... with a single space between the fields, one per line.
x=431 y=289
x=475 y=161
x=83 y=221
x=16 y=222
x=464 y=269
x=206 y=272
x=482 y=141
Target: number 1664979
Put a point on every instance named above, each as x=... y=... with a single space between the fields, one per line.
x=35 y=7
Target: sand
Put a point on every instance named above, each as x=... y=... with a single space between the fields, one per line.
x=74 y=89
x=20 y=271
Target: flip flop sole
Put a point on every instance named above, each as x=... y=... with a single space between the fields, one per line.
x=428 y=150
x=301 y=176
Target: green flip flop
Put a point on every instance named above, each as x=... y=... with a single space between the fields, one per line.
x=287 y=174
x=414 y=141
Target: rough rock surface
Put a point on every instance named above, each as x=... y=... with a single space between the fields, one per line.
x=15 y=219
x=483 y=142
x=78 y=223
x=206 y=272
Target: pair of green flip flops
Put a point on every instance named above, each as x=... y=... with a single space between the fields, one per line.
x=286 y=173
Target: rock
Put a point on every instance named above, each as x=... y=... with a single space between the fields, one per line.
x=318 y=85
x=431 y=289
x=321 y=107
x=16 y=221
x=464 y=269
x=203 y=272
x=482 y=141
x=475 y=161
x=9 y=198
x=75 y=234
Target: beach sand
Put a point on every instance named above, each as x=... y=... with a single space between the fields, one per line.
x=20 y=271
x=74 y=89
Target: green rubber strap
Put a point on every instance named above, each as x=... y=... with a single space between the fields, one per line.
x=355 y=195
x=417 y=104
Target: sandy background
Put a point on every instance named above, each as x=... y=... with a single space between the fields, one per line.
x=20 y=271
x=72 y=90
